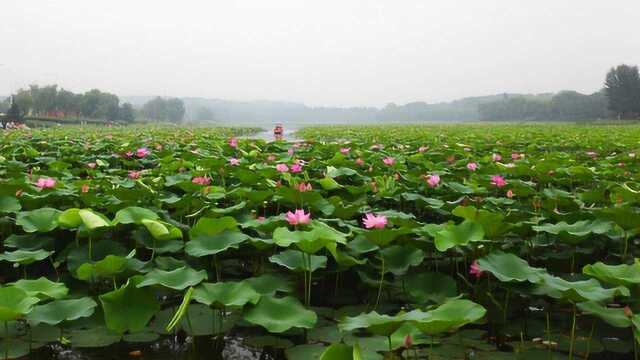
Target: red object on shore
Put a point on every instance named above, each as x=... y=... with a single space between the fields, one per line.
x=278 y=131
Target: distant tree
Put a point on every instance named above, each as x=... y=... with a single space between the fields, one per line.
x=175 y=110
x=24 y=100
x=204 y=114
x=126 y=113
x=4 y=105
x=622 y=87
x=68 y=102
x=155 y=109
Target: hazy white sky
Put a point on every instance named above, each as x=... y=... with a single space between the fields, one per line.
x=328 y=52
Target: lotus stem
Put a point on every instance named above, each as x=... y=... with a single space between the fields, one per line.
x=548 y=336
x=310 y=274
x=593 y=327
x=380 y=284
x=573 y=332
x=6 y=341
x=626 y=245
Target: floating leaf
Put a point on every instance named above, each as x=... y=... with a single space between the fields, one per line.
x=58 y=311
x=299 y=261
x=280 y=314
x=25 y=257
x=178 y=279
x=42 y=288
x=41 y=220
x=225 y=294
x=204 y=245
x=454 y=235
x=623 y=274
x=508 y=267
x=15 y=303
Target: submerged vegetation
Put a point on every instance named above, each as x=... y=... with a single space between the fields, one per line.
x=413 y=242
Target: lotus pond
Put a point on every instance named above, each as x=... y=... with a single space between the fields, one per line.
x=390 y=242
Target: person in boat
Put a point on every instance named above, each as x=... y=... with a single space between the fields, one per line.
x=278 y=131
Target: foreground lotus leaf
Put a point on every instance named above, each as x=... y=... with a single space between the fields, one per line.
x=41 y=220
x=225 y=294
x=73 y=218
x=161 y=230
x=449 y=316
x=178 y=279
x=134 y=215
x=129 y=308
x=508 y=267
x=612 y=316
x=398 y=258
x=105 y=268
x=9 y=204
x=623 y=274
x=58 y=311
x=15 y=303
x=455 y=235
x=297 y=260
x=212 y=226
x=42 y=288
x=431 y=287
x=280 y=314
x=492 y=223
x=25 y=257
x=310 y=241
x=379 y=324
x=204 y=245
x=577 y=291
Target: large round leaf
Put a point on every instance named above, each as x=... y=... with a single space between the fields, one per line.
x=399 y=258
x=508 y=267
x=15 y=303
x=204 y=245
x=450 y=316
x=42 y=220
x=42 y=288
x=178 y=279
x=9 y=204
x=58 y=311
x=299 y=261
x=623 y=274
x=454 y=235
x=280 y=314
x=310 y=241
x=25 y=257
x=224 y=294
x=576 y=291
x=434 y=287
x=129 y=308
x=134 y=215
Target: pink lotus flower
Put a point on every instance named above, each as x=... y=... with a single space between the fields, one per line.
x=433 y=180
x=389 y=161
x=408 y=341
x=472 y=166
x=133 y=175
x=271 y=158
x=85 y=188
x=45 y=183
x=592 y=154
x=475 y=269
x=282 y=168
x=376 y=147
x=128 y=154
x=515 y=156
x=372 y=221
x=233 y=142
x=304 y=187
x=92 y=165
x=298 y=217
x=234 y=162
x=296 y=168
x=142 y=152
x=510 y=194
x=496 y=157
x=290 y=151
x=422 y=149
x=261 y=218
x=201 y=180
x=359 y=162
x=345 y=150
x=498 y=181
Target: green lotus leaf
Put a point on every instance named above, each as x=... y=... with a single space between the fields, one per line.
x=577 y=291
x=625 y=217
x=398 y=259
x=434 y=287
x=341 y=257
x=450 y=316
x=58 y=311
x=73 y=218
x=15 y=303
x=328 y=183
x=612 y=316
x=178 y=279
x=305 y=352
x=94 y=337
x=129 y=308
x=311 y=241
x=134 y=215
x=278 y=315
x=297 y=260
x=338 y=352
x=41 y=220
x=492 y=223
x=508 y=267
x=9 y=204
x=454 y=235
x=15 y=348
x=224 y=294
x=198 y=320
x=105 y=268
x=25 y=257
x=161 y=230
x=270 y=284
x=42 y=288
x=204 y=245
x=383 y=237
x=212 y=226
x=379 y=324
x=623 y=274
x=573 y=233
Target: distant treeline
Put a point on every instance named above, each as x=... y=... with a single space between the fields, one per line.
x=54 y=103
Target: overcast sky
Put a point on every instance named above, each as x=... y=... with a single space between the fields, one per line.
x=328 y=52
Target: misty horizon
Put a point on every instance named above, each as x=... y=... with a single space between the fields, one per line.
x=333 y=54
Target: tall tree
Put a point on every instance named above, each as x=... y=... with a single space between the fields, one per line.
x=175 y=110
x=126 y=113
x=622 y=87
